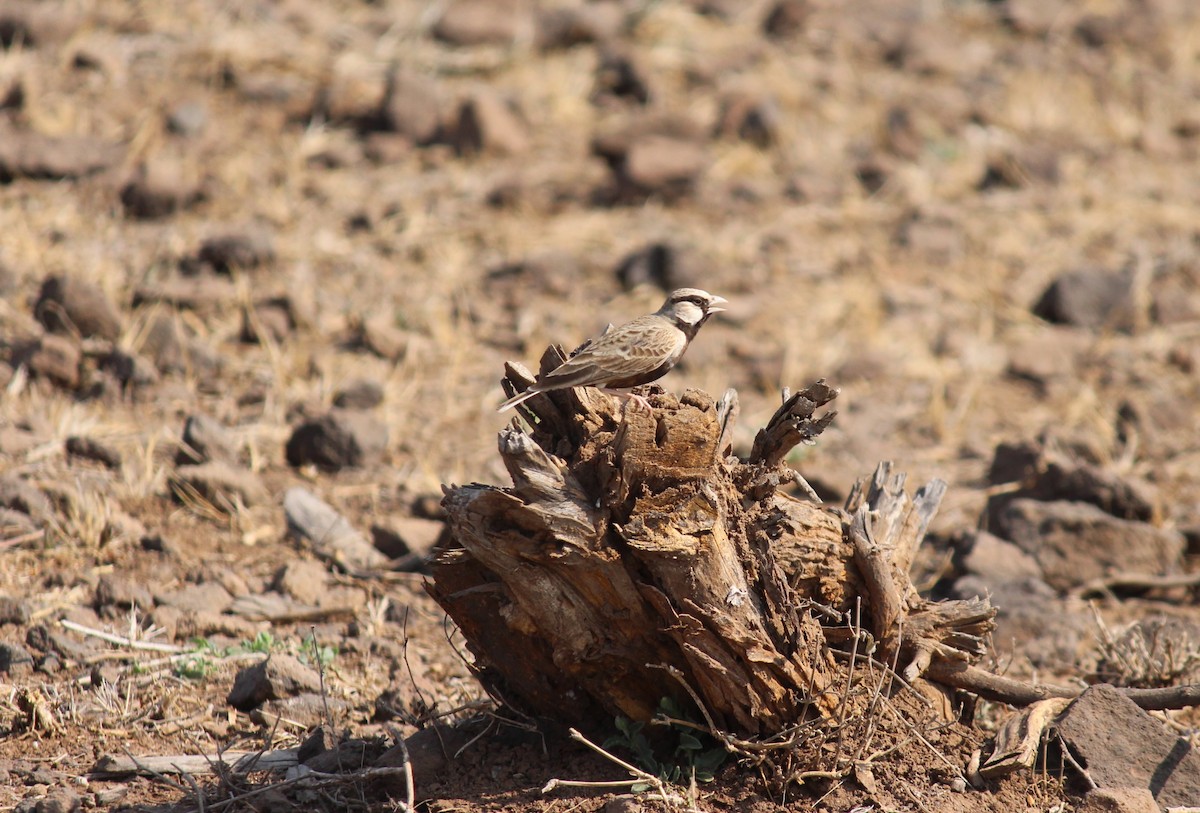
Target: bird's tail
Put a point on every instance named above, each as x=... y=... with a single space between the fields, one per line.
x=517 y=399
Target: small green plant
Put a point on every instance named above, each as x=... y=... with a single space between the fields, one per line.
x=690 y=757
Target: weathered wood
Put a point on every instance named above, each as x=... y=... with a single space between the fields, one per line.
x=633 y=540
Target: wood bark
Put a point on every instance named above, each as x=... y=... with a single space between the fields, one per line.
x=630 y=541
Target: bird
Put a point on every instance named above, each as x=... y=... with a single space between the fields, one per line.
x=635 y=353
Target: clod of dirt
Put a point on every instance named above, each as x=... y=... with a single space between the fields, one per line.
x=567 y=26
x=361 y=393
x=222 y=485
x=92 y=449
x=339 y=439
x=34 y=25
x=54 y=358
x=1047 y=358
x=25 y=154
x=22 y=496
x=174 y=351
x=663 y=265
x=787 y=19
x=208 y=596
x=382 y=338
x=318 y=741
x=485 y=22
x=187 y=119
x=428 y=751
x=994 y=559
x=412 y=107
x=351 y=755
x=331 y=536
x=12 y=609
x=1119 y=800
x=307 y=709
x=488 y=123
x=1089 y=297
x=1075 y=543
x=750 y=117
x=205 y=440
x=241 y=250
x=620 y=76
x=73 y=306
x=159 y=187
x=270 y=319
x=303 y=580
x=121 y=593
x=277 y=677
x=1123 y=746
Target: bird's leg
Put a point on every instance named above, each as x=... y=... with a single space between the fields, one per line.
x=627 y=397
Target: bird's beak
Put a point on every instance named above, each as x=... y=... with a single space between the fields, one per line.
x=716 y=300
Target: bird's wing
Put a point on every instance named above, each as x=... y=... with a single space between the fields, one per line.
x=632 y=349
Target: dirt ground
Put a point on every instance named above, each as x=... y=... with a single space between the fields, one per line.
x=253 y=212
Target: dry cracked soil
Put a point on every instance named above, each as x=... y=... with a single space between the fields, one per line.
x=261 y=265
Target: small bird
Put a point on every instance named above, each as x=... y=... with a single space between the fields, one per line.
x=635 y=353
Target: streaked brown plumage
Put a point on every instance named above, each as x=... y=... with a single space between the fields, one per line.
x=635 y=353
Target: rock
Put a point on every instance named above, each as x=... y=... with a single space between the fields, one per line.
x=1124 y=747
x=1048 y=358
x=361 y=393
x=274 y=678
x=318 y=741
x=937 y=239
x=59 y=800
x=337 y=440
x=489 y=124
x=208 y=596
x=787 y=19
x=412 y=107
x=1118 y=800
x=750 y=117
x=224 y=486
x=624 y=803
x=307 y=709
x=653 y=156
x=662 y=265
x=158 y=188
x=237 y=250
x=205 y=440
x=381 y=338
x=351 y=755
x=995 y=560
x=304 y=580
x=25 y=154
x=408 y=535
x=174 y=351
x=35 y=24
x=1089 y=297
x=121 y=592
x=331 y=536
x=15 y=660
x=429 y=751
x=620 y=75
x=188 y=119
x=1075 y=543
x=129 y=371
x=1046 y=472
x=20 y=495
x=15 y=525
x=272 y=319
x=568 y=26
x=92 y=449
x=75 y=307
x=54 y=358
x=13 y=610
x=205 y=295
x=484 y=22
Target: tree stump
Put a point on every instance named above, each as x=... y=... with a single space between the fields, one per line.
x=634 y=553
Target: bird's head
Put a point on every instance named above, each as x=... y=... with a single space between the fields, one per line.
x=688 y=308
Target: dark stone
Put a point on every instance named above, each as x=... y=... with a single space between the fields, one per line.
x=337 y=440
